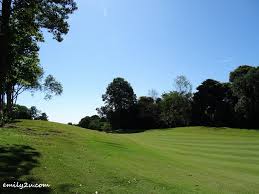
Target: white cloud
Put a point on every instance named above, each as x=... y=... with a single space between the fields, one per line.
x=226 y=60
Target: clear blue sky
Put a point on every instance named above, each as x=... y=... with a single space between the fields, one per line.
x=149 y=43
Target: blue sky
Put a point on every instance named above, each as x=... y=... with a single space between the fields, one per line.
x=149 y=43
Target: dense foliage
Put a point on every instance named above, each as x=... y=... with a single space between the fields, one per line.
x=23 y=112
x=232 y=104
x=94 y=122
x=119 y=102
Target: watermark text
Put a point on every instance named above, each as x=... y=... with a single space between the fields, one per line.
x=25 y=185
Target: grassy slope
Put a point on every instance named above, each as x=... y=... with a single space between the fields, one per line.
x=182 y=160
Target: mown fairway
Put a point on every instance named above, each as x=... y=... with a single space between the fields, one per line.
x=182 y=160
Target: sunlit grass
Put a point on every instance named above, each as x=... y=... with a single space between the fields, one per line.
x=181 y=160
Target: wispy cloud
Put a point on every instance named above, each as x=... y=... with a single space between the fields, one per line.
x=226 y=60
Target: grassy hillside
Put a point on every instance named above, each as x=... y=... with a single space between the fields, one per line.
x=182 y=160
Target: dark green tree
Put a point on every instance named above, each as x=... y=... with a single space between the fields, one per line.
x=175 y=109
x=239 y=73
x=119 y=100
x=119 y=95
x=94 y=122
x=21 y=112
x=84 y=122
x=212 y=103
x=43 y=117
x=147 y=113
x=245 y=86
x=34 y=112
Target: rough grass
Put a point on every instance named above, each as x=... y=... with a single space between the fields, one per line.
x=181 y=160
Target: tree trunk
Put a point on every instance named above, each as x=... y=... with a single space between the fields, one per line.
x=9 y=100
x=4 y=43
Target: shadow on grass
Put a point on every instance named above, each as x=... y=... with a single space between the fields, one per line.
x=17 y=161
x=127 y=131
x=112 y=144
x=15 y=121
x=67 y=188
x=132 y=131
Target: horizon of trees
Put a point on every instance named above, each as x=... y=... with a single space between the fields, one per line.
x=231 y=104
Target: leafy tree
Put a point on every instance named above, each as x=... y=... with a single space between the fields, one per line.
x=106 y=126
x=34 y=112
x=175 y=109
x=52 y=86
x=119 y=95
x=43 y=117
x=84 y=122
x=245 y=86
x=94 y=122
x=239 y=73
x=148 y=113
x=21 y=112
x=23 y=22
x=31 y=81
x=183 y=85
x=119 y=100
x=24 y=79
x=212 y=103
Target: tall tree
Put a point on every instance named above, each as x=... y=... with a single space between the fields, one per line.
x=119 y=95
x=175 y=109
x=212 y=103
x=4 y=43
x=245 y=86
x=119 y=100
x=22 y=26
x=34 y=112
x=183 y=85
x=147 y=113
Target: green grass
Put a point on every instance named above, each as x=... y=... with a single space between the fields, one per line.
x=181 y=160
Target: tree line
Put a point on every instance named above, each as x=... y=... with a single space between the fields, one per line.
x=231 y=104
x=21 y=30
x=32 y=113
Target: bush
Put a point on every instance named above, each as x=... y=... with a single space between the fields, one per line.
x=105 y=126
x=42 y=117
x=21 y=112
x=84 y=122
x=95 y=122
